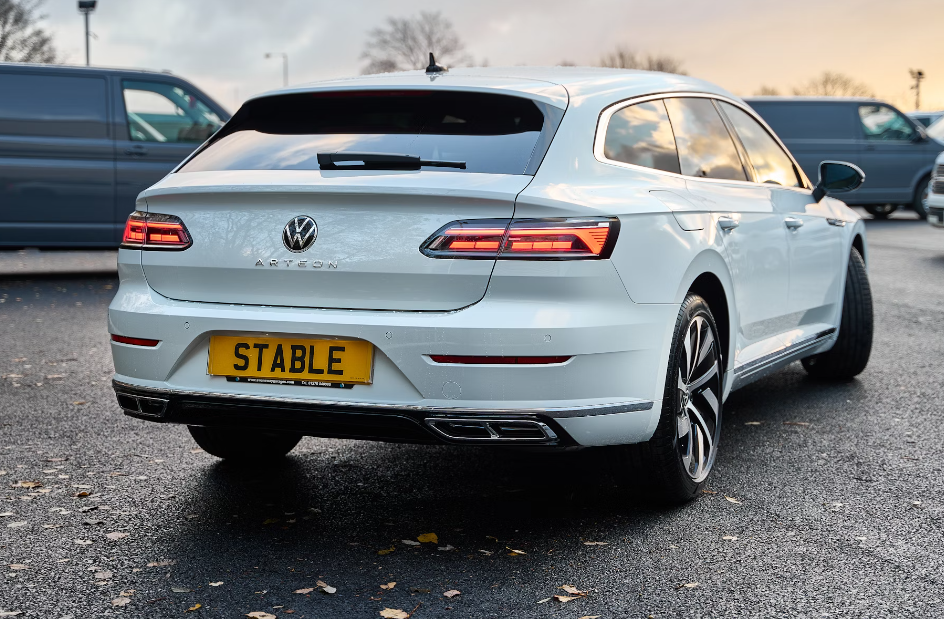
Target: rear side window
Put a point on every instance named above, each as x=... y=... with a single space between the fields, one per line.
x=642 y=135
x=808 y=121
x=162 y=112
x=771 y=163
x=52 y=106
x=705 y=147
x=495 y=134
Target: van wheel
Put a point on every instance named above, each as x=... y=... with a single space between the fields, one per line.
x=920 y=202
x=244 y=445
x=880 y=211
x=849 y=356
x=674 y=464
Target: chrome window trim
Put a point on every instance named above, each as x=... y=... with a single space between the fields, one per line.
x=603 y=123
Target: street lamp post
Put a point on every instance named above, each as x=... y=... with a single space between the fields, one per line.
x=284 y=65
x=86 y=7
x=917 y=76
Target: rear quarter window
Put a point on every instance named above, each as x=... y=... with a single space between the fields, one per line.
x=495 y=134
x=52 y=106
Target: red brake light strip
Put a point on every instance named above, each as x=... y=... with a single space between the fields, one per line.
x=134 y=341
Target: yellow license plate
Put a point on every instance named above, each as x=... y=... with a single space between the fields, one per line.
x=291 y=359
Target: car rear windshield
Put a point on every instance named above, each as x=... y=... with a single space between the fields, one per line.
x=494 y=134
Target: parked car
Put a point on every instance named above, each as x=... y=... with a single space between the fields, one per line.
x=78 y=144
x=550 y=257
x=894 y=152
x=925 y=118
x=936 y=194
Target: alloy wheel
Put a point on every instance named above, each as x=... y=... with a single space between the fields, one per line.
x=699 y=389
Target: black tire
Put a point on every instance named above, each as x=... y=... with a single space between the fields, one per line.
x=919 y=204
x=659 y=466
x=849 y=356
x=880 y=211
x=244 y=445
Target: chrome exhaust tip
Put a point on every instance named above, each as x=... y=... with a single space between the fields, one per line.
x=142 y=406
x=492 y=430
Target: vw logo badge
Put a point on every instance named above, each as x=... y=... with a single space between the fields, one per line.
x=299 y=234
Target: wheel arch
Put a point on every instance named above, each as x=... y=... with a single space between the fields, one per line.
x=709 y=277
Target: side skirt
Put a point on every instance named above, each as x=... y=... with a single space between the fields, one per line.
x=758 y=368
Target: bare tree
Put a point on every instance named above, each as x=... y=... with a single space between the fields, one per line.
x=767 y=91
x=405 y=43
x=831 y=84
x=21 y=38
x=625 y=58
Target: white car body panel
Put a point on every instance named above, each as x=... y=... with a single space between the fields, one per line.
x=616 y=317
x=936 y=198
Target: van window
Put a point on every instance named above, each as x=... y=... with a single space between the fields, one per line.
x=161 y=112
x=881 y=122
x=52 y=106
x=802 y=120
x=642 y=135
x=491 y=133
x=771 y=163
x=705 y=147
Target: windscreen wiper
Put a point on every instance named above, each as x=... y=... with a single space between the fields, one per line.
x=381 y=161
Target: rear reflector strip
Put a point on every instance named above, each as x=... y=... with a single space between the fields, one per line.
x=476 y=360
x=134 y=341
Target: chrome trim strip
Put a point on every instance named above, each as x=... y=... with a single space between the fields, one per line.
x=750 y=368
x=577 y=411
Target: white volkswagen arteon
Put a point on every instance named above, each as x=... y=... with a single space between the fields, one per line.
x=559 y=257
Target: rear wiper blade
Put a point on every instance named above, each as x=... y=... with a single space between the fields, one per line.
x=381 y=161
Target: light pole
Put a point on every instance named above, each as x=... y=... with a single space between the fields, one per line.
x=284 y=65
x=917 y=75
x=86 y=7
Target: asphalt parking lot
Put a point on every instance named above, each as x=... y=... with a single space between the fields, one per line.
x=825 y=501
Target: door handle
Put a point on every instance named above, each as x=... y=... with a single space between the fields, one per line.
x=793 y=223
x=728 y=223
x=136 y=151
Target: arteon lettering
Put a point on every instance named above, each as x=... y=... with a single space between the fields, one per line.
x=314 y=264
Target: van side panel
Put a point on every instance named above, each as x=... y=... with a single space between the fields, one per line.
x=57 y=159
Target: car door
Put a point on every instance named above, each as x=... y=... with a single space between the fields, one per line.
x=57 y=161
x=892 y=154
x=161 y=123
x=753 y=232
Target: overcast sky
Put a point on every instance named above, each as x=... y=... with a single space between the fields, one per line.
x=739 y=44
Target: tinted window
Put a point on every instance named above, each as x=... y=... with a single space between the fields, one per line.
x=880 y=122
x=642 y=135
x=52 y=106
x=493 y=134
x=808 y=121
x=159 y=112
x=705 y=147
x=771 y=164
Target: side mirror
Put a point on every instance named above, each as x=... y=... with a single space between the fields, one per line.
x=837 y=176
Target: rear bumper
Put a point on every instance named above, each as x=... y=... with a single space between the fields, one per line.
x=395 y=423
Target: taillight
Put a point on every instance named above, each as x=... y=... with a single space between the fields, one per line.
x=554 y=239
x=155 y=231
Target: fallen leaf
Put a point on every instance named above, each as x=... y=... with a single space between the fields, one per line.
x=217 y=584
x=82 y=494
x=487 y=553
x=690 y=585
x=731 y=499
x=429 y=537
x=410 y=542
x=103 y=575
x=591 y=617
x=18 y=566
x=181 y=590
x=305 y=591
x=116 y=535
x=709 y=492
x=796 y=423
x=393 y=613
x=515 y=553
x=386 y=551
x=574 y=590
x=563 y=599
x=752 y=423
x=730 y=538
x=122 y=601
x=82 y=542
x=595 y=543
x=193 y=608
x=10 y=613
x=447 y=547
x=389 y=585
x=326 y=588
x=270 y=521
x=451 y=593
x=128 y=593
x=28 y=484
x=79 y=402
x=544 y=600
x=261 y=615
